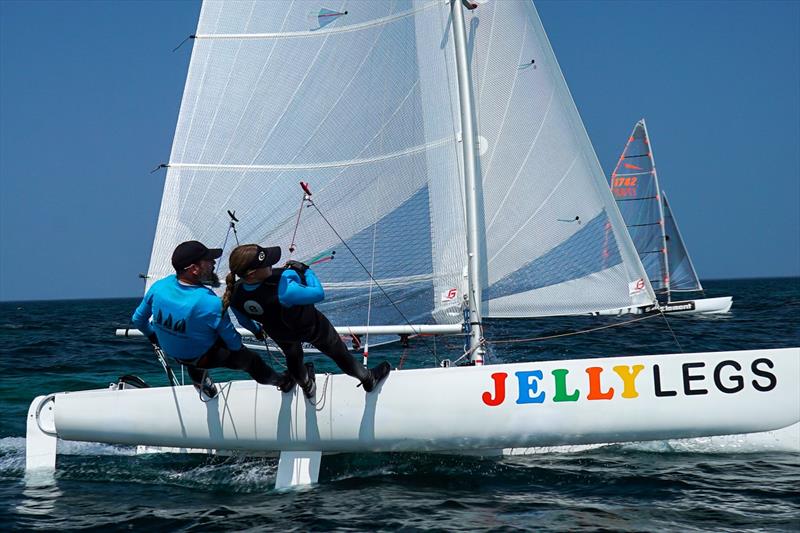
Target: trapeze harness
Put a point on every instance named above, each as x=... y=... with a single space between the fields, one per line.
x=297 y=323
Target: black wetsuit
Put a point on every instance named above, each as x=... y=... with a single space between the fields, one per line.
x=291 y=326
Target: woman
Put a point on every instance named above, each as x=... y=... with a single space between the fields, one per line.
x=280 y=302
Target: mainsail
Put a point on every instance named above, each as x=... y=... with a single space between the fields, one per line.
x=634 y=183
x=363 y=104
x=649 y=219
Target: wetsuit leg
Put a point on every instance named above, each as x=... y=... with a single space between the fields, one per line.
x=195 y=374
x=328 y=341
x=293 y=351
x=243 y=359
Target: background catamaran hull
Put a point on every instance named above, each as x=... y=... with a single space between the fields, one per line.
x=701 y=306
x=500 y=406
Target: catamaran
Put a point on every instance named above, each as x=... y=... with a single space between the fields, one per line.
x=419 y=125
x=654 y=230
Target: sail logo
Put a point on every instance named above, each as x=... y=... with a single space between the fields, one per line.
x=624 y=381
x=673 y=307
x=449 y=295
x=635 y=287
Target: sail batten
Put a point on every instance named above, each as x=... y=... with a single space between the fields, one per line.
x=316 y=32
x=312 y=166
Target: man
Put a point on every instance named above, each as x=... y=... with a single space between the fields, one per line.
x=189 y=324
x=281 y=302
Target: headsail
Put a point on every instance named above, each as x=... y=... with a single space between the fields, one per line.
x=682 y=275
x=366 y=109
x=634 y=183
x=555 y=241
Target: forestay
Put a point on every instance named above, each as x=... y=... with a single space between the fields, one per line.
x=359 y=99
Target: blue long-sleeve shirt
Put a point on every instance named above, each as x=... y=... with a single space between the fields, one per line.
x=187 y=319
x=291 y=292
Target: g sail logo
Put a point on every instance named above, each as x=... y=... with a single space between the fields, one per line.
x=694 y=378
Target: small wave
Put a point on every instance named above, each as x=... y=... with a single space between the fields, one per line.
x=239 y=473
x=12 y=455
x=69 y=447
x=781 y=440
x=16 y=445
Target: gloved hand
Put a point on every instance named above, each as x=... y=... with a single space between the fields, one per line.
x=297 y=266
x=153 y=340
x=260 y=335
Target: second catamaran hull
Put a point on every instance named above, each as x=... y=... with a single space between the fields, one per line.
x=470 y=408
x=700 y=306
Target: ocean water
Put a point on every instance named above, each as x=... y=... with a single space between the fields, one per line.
x=721 y=483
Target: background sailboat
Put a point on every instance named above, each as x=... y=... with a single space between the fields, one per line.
x=654 y=230
x=378 y=106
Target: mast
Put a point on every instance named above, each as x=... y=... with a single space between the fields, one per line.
x=472 y=192
x=665 y=253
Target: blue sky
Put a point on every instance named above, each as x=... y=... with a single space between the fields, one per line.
x=90 y=91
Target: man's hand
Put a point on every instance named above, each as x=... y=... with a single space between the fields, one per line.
x=153 y=340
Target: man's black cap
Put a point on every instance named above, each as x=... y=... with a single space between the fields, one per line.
x=190 y=252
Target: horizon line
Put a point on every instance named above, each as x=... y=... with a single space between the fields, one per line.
x=3 y=301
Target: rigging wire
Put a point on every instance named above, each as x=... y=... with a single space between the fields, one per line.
x=407 y=321
x=571 y=333
x=674 y=337
x=369 y=299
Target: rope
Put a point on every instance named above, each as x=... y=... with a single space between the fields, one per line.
x=225 y=242
x=369 y=299
x=319 y=405
x=532 y=339
x=674 y=337
x=467 y=353
x=402 y=358
x=200 y=388
x=296 y=225
x=271 y=356
x=183 y=41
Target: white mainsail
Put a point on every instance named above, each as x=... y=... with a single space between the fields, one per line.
x=365 y=108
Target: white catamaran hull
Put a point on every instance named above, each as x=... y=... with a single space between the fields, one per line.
x=546 y=403
x=701 y=306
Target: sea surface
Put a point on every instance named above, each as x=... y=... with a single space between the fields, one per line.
x=715 y=484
